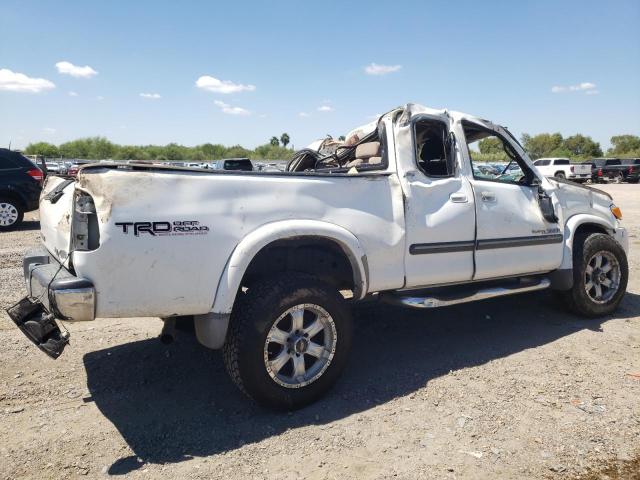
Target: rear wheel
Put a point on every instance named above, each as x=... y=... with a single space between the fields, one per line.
x=619 y=178
x=600 y=274
x=288 y=340
x=11 y=214
x=560 y=175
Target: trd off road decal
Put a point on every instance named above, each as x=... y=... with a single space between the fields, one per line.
x=178 y=227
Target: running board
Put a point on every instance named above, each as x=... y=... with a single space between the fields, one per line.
x=471 y=293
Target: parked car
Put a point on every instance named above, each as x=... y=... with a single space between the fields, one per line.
x=260 y=261
x=242 y=164
x=72 y=171
x=612 y=169
x=632 y=175
x=53 y=168
x=20 y=187
x=563 y=168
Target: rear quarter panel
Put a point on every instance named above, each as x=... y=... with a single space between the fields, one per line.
x=178 y=273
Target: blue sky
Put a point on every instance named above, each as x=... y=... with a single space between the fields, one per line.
x=301 y=67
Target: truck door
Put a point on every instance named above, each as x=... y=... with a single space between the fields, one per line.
x=513 y=236
x=439 y=212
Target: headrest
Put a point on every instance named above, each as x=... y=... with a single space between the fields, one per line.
x=368 y=150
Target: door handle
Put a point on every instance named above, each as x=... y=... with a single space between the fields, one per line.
x=458 y=197
x=488 y=196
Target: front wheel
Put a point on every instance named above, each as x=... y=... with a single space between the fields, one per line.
x=288 y=340
x=600 y=275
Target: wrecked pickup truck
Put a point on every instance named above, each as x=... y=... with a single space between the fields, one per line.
x=267 y=264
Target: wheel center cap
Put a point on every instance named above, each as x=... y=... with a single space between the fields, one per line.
x=301 y=345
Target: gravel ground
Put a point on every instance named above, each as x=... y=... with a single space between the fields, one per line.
x=508 y=388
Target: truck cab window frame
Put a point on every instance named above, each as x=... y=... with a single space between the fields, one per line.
x=474 y=133
x=432 y=147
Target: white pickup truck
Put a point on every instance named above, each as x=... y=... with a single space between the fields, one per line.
x=562 y=168
x=268 y=263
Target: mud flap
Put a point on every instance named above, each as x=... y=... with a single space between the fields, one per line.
x=39 y=326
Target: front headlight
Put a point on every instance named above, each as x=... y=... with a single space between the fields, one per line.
x=616 y=212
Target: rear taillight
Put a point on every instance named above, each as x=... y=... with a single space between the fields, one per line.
x=599 y=172
x=36 y=174
x=572 y=169
x=630 y=169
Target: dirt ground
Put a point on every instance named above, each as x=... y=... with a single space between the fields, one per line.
x=507 y=388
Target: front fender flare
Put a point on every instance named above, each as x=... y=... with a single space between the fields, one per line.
x=255 y=241
x=570 y=227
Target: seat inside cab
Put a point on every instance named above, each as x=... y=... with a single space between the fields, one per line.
x=431 y=148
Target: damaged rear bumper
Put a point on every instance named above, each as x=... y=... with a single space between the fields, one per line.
x=61 y=293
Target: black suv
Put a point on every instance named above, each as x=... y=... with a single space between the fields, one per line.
x=20 y=187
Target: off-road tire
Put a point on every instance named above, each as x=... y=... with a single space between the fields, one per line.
x=560 y=175
x=18 y=208
x=253 y=316
x=577 y=299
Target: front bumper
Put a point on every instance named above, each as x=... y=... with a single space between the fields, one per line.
x=61 y=293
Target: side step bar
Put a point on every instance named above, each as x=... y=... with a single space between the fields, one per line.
x=444 y=299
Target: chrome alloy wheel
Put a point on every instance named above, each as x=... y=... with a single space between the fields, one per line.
x=602 y=277
x=300 y=345
x=8 y=214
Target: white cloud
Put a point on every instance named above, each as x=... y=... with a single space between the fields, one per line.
x=49 y=130
x=587 y=87
x=304 y=114
x=152 y=96
x=73 y=94
x=100 y=98
x=69 y=68
x=325 y=108
x=592 y=92
x=226 y=108
x=375 y=69
x=18 y=82
x=212 y=84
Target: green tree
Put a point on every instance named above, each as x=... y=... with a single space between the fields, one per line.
x=94 y=148
x=237 y=151
x=173 y=151
x=42 y=148
x=100 y=148
x=491 y=145
x=213 y=152
x=582 y=146
x=274 y=141
x=197 y=155
x=542 y=145
x=130 y=152
x=622 y=145
x=75 y=149
x=284 y=139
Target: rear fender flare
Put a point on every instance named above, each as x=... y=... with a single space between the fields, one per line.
x=255 y=241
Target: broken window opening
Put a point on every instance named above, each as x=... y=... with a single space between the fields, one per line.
x=431 y=140
x=493 y=158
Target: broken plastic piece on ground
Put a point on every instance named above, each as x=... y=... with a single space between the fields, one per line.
x=39 y=326
x=352 y=171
